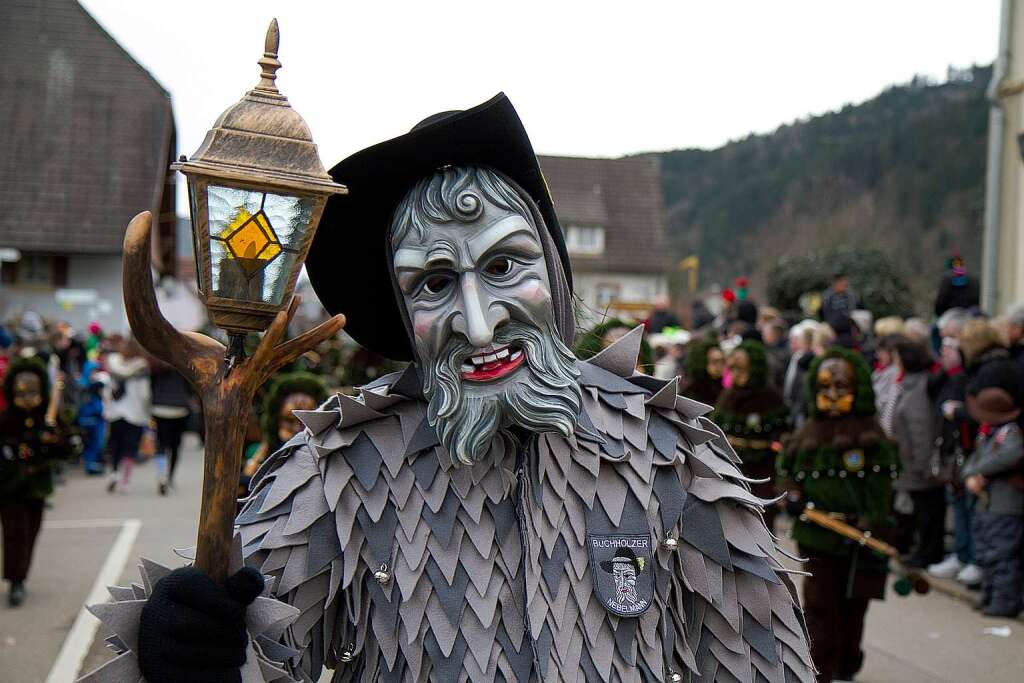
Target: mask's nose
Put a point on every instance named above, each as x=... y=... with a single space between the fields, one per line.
x=479 y=314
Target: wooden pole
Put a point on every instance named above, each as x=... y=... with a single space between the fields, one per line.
x=823 y=519
x=226 y=396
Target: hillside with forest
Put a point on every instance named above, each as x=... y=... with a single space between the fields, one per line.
x=903 y=172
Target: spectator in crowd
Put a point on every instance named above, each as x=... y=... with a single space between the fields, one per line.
x=917 y=330
x=838 y=302
x=888 y=326
x=126 y=408
x=823 y=339
x=90 y=415
x=885 y=372
x=801 y=338
x=995 y=473
x=746 y=314
x=776 y=344
x=1015 y=332
x=957 y=289
x=947 y=389
x=700 y=315
x=172 y=400
x=6 y=342
x=662 y=316
x=981 y=344
x=908 y=420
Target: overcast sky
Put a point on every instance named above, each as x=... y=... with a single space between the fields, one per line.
x=588 y=78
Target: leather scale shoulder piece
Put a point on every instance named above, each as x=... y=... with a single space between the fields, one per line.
x=544 y=562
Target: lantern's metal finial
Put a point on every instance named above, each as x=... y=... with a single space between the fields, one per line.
x=269 y=63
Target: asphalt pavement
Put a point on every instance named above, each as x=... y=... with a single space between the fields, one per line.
x=90 y=535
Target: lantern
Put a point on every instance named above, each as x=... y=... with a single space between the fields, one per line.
x=256 y=191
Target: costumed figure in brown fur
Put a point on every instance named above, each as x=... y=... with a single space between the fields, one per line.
x=841 y=462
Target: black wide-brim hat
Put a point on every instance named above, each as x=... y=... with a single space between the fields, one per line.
x=349 y=265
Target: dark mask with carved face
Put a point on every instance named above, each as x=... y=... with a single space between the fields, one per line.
x=28 y=391
x=738 y=363
x=837 y=387
x=469 y=263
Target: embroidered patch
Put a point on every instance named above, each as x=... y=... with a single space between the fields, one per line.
x=853 y=460
x=623 y=571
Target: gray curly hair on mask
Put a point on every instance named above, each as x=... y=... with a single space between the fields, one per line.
x=454 y=194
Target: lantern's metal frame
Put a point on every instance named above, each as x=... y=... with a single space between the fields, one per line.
x=259 y=144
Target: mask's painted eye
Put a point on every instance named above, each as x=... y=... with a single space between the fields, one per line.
x=437 y=283
x=502 y=265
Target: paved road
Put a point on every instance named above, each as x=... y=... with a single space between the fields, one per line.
x=930 y=639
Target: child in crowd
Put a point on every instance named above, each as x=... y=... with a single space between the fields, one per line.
x=995 y=473
x=33 y=438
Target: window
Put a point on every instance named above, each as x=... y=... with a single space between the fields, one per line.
x=606 y=294
x=37 y=270
x=586 y=240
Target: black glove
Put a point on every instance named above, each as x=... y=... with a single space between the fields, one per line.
x=193 y=629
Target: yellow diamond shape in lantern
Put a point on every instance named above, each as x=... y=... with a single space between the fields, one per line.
x=251 y=240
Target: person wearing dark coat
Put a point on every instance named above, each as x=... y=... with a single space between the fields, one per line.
x=838 y=302
x=995 y=473
x=840 y=462
x=957 y=289
x=910 y=421
x=172 y=407
x=947 y=388
x=31 y=444
x=753 y=416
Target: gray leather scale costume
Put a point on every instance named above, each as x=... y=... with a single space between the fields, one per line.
x=407 y=568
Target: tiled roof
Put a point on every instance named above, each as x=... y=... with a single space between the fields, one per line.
x=86 y=134
x=621 y=195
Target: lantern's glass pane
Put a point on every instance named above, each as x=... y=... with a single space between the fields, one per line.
x=290 y=217
x=275 y=278
x=225 y=204
x=234 y=278
x=193 y=213
x=254 y=237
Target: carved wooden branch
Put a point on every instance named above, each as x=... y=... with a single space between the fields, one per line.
x=226 y=397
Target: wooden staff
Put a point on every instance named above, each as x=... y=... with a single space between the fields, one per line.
x=910 y=579
x=226 y=396
x=824 y=519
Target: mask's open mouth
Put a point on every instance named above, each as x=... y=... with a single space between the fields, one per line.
x=492 y=364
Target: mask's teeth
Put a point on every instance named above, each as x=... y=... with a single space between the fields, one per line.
x=516 y=355
x=490 y=358
x=467 y=367
x=502 y=354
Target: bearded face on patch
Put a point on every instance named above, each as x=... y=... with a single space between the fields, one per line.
x=470 y=264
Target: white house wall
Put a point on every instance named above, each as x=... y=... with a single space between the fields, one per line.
x=101 y=274
x=634 y=288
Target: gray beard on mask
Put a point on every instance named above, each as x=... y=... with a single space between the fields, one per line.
x=548 y=399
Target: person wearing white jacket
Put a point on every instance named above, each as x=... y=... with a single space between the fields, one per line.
x=126 y=408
